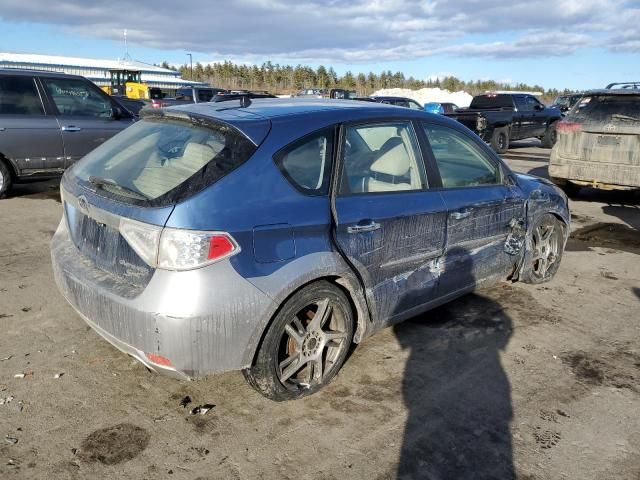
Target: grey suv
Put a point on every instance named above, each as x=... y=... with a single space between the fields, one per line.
x=48 y=121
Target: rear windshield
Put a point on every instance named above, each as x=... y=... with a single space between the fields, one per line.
x=492 y=101
x=159 y=161
x=608 y=108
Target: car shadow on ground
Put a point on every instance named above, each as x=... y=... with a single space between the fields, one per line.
x=456 y=392
x=47 y=189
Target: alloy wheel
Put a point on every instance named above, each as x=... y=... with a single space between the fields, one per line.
x=311 y=344
x=546 y=246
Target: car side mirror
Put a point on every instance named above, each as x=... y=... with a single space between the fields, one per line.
x=510 y=180
x=117 y=112
x=539 y=107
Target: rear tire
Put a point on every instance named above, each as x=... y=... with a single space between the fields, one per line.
x=301 y=353
x=500 y=140
x=571 y=189
x=5 y=179
x=550 y=136
x=542 y=260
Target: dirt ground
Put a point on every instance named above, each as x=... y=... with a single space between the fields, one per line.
x=515 y=381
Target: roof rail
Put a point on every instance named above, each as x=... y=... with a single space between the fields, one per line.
x=513 y=92
x=624 y=85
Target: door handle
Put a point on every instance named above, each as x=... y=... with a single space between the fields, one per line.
x=70 y=128
x=369 y=227
x=460 y=214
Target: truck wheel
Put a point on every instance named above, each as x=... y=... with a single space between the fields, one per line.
x=5 y=179
x=305 y=345
x=550 y=136
x=500 y=140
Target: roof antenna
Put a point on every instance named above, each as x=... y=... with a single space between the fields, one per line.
x=127 y=57
x=245 y=101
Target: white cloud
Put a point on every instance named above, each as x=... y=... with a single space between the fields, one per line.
x=348 y=30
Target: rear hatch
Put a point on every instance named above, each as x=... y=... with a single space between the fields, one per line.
x=117 y=196
x=603 y=127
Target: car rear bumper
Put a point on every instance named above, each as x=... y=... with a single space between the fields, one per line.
x=203 y=321
x=594 y=173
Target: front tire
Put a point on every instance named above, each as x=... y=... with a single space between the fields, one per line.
x=305 y=345
x=542 y=261
x=500 y=140
x=5 y=179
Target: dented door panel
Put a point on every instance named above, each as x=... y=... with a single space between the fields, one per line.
x=479 y=222
x=397 y=261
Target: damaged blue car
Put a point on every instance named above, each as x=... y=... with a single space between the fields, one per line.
x=269 y=236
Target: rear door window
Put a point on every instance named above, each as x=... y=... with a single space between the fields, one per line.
x=307 y=162
x=159 y=161
x=75 y=97
x=460 y=162
x=19 y=96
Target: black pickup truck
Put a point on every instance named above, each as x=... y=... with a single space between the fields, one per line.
x=499 y=118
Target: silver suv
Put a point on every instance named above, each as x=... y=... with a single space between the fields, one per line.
x=50 y=120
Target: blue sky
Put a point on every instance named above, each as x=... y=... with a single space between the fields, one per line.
x=575 y=44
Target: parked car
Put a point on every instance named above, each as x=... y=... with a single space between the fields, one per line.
x=270 y=237
x=440 y=108
x=337 y=93
x=397 y=101
x=599 y=142
x=564 y=103
x=499 y=118
x=223 y=97
x=186 y=95
x=48 y=121
x=131 y=105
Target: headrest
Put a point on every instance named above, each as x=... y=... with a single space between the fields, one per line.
x=393 y=162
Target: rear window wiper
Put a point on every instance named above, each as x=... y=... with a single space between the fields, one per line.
x=104 y=182
x=620 y=116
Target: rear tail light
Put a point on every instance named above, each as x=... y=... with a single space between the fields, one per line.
x=186 y=250
x=568 y=127
x=177 y=249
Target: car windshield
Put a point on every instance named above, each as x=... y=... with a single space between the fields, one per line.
x=158 y=161
x=608 y=108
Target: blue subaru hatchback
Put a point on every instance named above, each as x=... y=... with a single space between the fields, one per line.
x=271 y=236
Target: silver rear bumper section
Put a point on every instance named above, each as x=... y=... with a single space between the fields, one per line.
x=203 y=321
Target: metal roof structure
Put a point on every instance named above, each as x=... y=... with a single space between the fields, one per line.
x=96 y=70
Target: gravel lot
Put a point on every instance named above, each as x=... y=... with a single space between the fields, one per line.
x=513 y=381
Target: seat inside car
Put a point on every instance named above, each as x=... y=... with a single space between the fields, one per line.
x=389 y=171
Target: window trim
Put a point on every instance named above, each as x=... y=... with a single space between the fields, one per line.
x=339 y=163
x=503 y=171
x=328 y=169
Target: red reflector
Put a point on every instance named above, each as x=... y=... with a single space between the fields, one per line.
x=219 y=246
x=158 y=359
x=567 y=127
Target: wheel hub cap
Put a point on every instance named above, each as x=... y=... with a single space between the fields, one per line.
x=311 y=344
